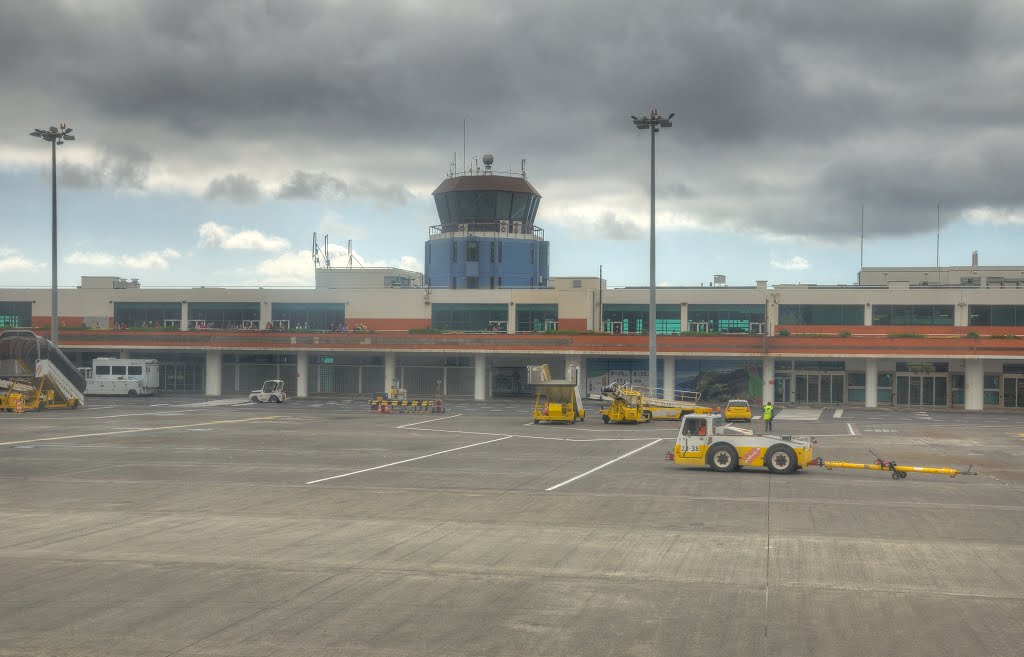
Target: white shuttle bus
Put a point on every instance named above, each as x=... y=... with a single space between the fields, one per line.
x=121 y=376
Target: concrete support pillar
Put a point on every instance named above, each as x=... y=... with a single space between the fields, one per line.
x=771 y=318
x=960 y=315
x=184 y=316
x=214 y=359
x=265 y=314
x=867 y=314
x=389 y=370
x=302 y=374
x=480 y=378
x=511 y=317
x=668 y=375
x=684 y=317
x=871 y=383
x=124 y=354
x=768 y=380
x=570 y=366
x=974 y=385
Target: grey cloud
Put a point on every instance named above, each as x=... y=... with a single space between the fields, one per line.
x=235 y=187
x=609 y=226
x=311 y=185
x=824 y=105
x=126 y=169
x=325 y=187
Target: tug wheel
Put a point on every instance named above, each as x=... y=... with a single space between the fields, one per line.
x=780 y=459
x=722 y=458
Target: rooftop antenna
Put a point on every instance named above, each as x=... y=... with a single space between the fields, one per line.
x=524 y=167
x=861 y=240
x=327 y=256
x=464 y=163
x=316 y=252
x=350 y=254
x=937 y=209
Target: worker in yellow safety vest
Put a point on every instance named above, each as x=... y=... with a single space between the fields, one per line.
x=769 y=414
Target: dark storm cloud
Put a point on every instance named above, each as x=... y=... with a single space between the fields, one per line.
x=789 y=114
x=321 y=186
x=235 y=187
x=127 y=169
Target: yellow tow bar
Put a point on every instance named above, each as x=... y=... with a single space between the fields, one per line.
x=898 y=471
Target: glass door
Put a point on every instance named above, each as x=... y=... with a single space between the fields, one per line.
x=800 y=393
x=783 y=390
x=922 y=390
x=1013 y=392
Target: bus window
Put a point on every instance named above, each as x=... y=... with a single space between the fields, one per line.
x=117 y=370
x=135 y=370
x=103 y=370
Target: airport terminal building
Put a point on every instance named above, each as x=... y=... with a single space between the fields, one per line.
x=485 y=308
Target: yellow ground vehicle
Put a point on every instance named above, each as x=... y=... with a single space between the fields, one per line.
x=626 y=405
x=738 y=410
x=558 y=400
x=631 y=405
x=702 y=441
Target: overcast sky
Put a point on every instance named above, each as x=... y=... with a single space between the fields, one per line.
x=214 y=138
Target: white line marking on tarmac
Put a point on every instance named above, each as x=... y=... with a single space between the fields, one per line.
x=850 y=427
x=110 y=417
x=519 y=435
x=140 y=430
x=417 y=458
x=569 y=481
x=448 y=417
x=838 y=414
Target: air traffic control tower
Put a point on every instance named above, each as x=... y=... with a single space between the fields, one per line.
x=486 y=238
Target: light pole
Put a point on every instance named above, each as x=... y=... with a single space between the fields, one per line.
x=654 y=123
x=55 y=136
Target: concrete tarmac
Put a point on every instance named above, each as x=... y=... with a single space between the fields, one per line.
x=177 y=526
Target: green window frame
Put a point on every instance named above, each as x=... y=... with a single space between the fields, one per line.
x=534 y=317
x=142 y=314
x=912 y=315
x=15 y=314
x=821 y=314
x=634 y=318
x=725 y=318
x=224 y=314
x=467 y=316
x=995 y=315
x=312 y=316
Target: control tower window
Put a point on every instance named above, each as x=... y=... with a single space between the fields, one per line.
x=520 y=207
x=441 y=201
x=504 y=209
x=472 y=251
x=477 y=205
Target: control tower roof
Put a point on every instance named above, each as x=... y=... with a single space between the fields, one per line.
x=486 y=183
